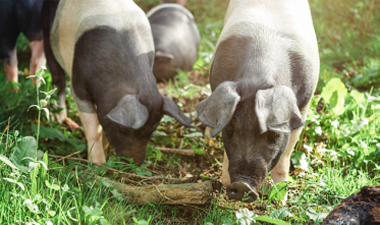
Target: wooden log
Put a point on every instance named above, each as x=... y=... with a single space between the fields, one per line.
x=359 y=208
x=173 y=194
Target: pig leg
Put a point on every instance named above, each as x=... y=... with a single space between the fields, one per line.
x=92 y=127
x=59 y=79
x=38 y=57
x=281 y=170
x=225 y=175
x=106 y=143
x=181 y=2
x=10 y=66
x=94 y=135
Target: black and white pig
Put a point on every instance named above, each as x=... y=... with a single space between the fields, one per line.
x=107 y=49
x=16 y=17
x=176 y=39
x=263 y=76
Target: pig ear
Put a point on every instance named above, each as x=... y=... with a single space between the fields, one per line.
x=171 y=109
x=276 y=109
x=217 y=110
x=163 y=57
x=129 y=112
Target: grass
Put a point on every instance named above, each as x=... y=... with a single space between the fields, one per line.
x=338 y=152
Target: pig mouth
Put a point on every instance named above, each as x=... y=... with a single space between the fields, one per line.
x=242 y=191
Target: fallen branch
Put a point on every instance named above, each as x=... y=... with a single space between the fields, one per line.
x=64 y=157
x=173 y=194
x=122 y=172
x=177 y=151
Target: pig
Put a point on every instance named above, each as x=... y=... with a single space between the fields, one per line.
x=176 y=39
x=16 y=17
x=263 y=75
x=107 y=49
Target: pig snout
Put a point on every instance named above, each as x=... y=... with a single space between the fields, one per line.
x=242 y=191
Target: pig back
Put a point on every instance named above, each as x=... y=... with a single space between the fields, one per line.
x=175 y=33
x=290 y=17
x=73 y=18
x=280 y=46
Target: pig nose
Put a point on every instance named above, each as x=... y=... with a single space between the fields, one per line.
x=239 y=190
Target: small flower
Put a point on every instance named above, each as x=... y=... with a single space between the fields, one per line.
x=43 y=102
x=38 y=107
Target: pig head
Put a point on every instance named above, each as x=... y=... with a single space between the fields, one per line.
x=256 y=128
x=131 y=122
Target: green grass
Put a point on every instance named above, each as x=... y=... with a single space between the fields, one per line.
x=338 y=152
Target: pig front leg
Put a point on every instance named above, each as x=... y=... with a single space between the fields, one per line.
x=281 y=171
x=10 y=66
x=225 y=175
x=94 y=135
x=92 y=129
x=38 y=57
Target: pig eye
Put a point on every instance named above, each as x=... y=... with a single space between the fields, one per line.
x=229 y=129
x=273 y=136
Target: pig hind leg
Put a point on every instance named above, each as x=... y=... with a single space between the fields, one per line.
x=47 y=18
x=38 y=58
x=59 y=79
x=181 y=2
x=10 y=66
x=8 y=54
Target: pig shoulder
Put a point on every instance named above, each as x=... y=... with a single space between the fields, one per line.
x=74 y=18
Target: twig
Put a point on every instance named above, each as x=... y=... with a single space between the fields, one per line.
x=177 y=151
x=122 y=172
x=163 y=195
x=55 y=168
x=64 y=157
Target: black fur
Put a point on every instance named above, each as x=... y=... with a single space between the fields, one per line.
x=49 y=9
x=18 y=16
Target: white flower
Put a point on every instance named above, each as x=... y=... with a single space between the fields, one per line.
x=318 y=130
x=335 y=124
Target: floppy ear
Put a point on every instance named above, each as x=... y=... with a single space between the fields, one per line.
x=217 y=110
x=162 y=57
x=129 y=112
x=276 y=109
x=171 y=109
